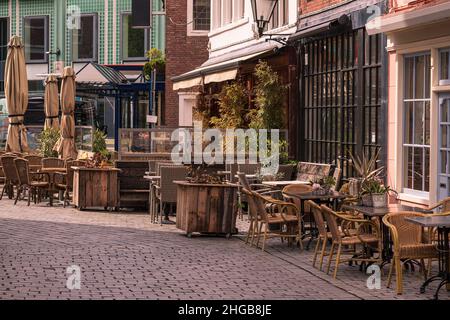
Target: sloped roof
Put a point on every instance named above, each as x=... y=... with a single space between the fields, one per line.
x=96 y=73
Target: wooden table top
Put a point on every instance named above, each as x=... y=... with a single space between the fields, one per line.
x=312 y=196
x=380 y=212
x=96 y=169
x=431 y=222
x=285 y=183
x=53 y=170
x=221 y=185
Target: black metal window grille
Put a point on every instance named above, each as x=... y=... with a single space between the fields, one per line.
x=341 y=81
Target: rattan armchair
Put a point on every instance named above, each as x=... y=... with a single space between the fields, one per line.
x=408 y=243
x=166 y=190
x=64 y=181
x=27 y=184
x=367 y=235
x=52 y=163
x=274 y=218
x=443 y=206
x=34 y=162
x=11 y=178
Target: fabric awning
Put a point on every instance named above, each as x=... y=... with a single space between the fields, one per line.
x=210 y=73
x=406 y=19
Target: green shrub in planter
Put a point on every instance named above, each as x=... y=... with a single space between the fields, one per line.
x=47 y=141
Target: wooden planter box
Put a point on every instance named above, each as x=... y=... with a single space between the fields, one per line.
x=206 y=208
x=95 y=188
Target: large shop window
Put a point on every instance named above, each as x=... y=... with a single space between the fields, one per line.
x=36 y=38
x=201 y=10
x=416 y=140
x=84 y=39
x=135 y=42
x=341 y=85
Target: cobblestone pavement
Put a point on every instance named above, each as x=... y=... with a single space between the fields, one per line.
x=125 y=256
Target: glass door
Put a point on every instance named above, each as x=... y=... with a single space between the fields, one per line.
x=444 y=147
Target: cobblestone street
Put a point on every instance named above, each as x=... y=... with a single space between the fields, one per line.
x=125 y=256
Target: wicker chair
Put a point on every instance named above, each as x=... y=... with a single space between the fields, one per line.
x=408 y=244
x=52 y=163
x=297 y=190
x=34 y=162
x=324 y=235
x=64 y=181
x=443 y=206
x=166 y=190
x=368 y=235
x=11 y=178
x=274 y=218
x=287 y=171
x=26 y=182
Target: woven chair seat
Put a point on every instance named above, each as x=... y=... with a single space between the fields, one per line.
x=420 y=251
x=366 y=238
x=39 y=184
x=279 y=219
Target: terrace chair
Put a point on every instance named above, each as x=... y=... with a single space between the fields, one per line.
x=408 y=243
x=11 y=178
x=290 y=190
x=52 y=163
x=443 y=206
x=64 y=181
x=337 y=175
x=287 y=171
x=273 y=218
x=249 y=168
x=166 y=190
x=26 y=182
x=34 y=162
x=368 y=235
x=324 y=235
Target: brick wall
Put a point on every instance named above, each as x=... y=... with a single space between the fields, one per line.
x=309 y=6
x=183 y=54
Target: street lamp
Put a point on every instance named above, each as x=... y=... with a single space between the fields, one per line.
x=262 y=13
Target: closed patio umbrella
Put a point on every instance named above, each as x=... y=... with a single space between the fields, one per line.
x=16 y=94
x=66 y=144
x=51 y=103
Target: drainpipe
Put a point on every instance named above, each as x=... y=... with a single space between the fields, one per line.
x=60 y=32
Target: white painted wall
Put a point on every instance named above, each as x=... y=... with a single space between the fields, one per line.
x=240 y=33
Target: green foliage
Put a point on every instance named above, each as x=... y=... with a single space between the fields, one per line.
x=233 y=100
x=99 y=144
x=157 y=61
x=47 y=141
x=374 y=186
x=365 y=166
x=269 y=99
x=327 y=182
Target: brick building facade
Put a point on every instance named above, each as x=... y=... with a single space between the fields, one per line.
x=184 y=52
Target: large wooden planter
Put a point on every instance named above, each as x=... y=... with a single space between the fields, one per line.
x=206 y=208
x=95 y=188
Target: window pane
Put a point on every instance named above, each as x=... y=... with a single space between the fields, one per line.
x=409 y=122
x=418 y=123
x=84 y=40
x=445 y=56
x=408 y=167
x=35 y=39
x=409 y=72
x=444 y=143
x=202 y=14
x=419 y=77
x=133 y=40
x=418 y=168
x=444 y=162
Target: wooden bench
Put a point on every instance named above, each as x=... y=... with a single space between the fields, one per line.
x=133 y=188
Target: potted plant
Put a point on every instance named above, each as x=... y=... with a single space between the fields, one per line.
x=374 y=193
x=365 y=168
x=47 y=141
x=156 y=61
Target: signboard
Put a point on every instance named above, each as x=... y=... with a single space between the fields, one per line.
x=152 y=119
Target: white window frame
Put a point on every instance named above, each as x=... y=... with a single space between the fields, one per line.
x=146 y=44
x=406 y=190
x=95 y=37
x=46 y=40
x=191 y=32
